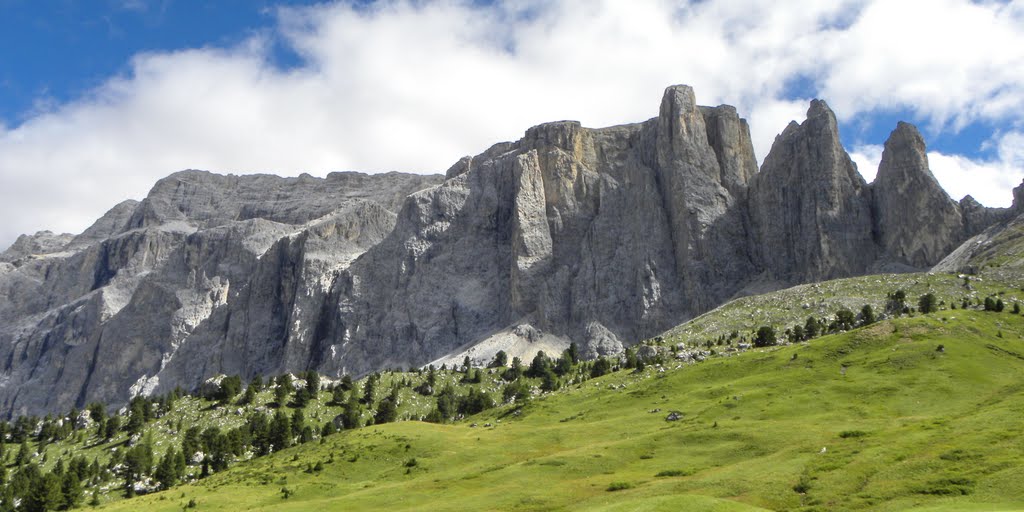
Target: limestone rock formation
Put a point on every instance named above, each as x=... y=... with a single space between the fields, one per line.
x=210 y=267
x=810 y=210
x=601 y=237
x=596 y=236
x=915 y=220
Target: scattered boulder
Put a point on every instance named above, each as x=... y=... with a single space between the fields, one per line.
x=84 y=420
x=210 y=388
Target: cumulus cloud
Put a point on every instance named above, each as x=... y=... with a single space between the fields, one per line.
x=412 y=86
x=987 y=180
x=950 y=61
x=867 y=157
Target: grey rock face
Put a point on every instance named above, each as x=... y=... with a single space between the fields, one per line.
x=189 y=282
x=809 y=207
x=978 y=218
x=43 y=242
x=601 y=237
x=729 y=136
x=915 y=220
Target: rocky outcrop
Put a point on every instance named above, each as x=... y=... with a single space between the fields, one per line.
x=601 y=237
x=729 y=136
x=810 y=210
x=43 y=242
x=916 y=222
x=189 y=281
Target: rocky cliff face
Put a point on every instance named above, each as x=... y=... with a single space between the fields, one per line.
x=598 y=236
x=810 y=210
x=915 y=220
x=208 y=273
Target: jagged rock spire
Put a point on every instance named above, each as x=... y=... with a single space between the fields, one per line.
x=915 y=220
x=809 y=207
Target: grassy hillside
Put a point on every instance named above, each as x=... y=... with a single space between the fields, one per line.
x=876 y=418
x=792 y=306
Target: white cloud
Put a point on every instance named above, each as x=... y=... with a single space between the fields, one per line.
x=951 y=61
x=867 y=158
x=413 y=86
x=989 y=181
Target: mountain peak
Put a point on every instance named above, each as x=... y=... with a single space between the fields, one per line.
x=915 y=220
x=819 y=108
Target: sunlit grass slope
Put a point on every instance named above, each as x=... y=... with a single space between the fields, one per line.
x=874 y=419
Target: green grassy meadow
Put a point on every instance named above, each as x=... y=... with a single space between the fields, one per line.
x=872 y=419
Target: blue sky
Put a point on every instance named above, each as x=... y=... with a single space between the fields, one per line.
x=58 y=50
x=100 y=98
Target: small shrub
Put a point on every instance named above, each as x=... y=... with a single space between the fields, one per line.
x=411 y=463
x=619 y=486
x=673 y=472
x=957 y=455
x=947 y=487
x=803 y=485
x=849 y=434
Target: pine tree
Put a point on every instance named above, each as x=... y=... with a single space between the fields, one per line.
x=229 y=388
x=298 y=422
x=811 y=328
x=387 y=410
x=24 y=453
x=574 y=352
x=369 y=389
x=179 y=464
x=45 y=494
x=351 y=415
x=845 y=320
x=282 y=390
x=927 y=303
x=191 y=442
x=765 y=336
x=313 y=383
x=328 y=429
x=798 y=334
x=601 y=367
x=337 y=395
x=71 y=491
x=897 y=303
x=447 y=403
x=166 y=470
x=280 y=431
x=112 y=427
x=867 y=315
x=539 y=366
x=250 y=395
x=499 y=361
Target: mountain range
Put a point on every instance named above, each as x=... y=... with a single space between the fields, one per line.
x=602 y=237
